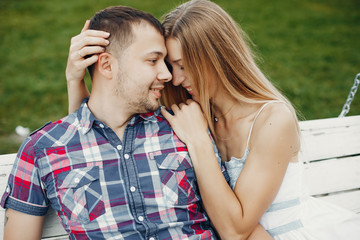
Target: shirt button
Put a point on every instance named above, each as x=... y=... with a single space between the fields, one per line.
x=132 y=189
x=119 y=147
x=76 y=180
x=126 y=156
x=141 y=218
x=151 y=238
x=101 y=125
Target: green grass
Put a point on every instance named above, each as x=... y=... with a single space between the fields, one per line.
x=310 y=49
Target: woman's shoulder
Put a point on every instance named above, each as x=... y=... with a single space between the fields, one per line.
x=277 y=113
x=276 y=129
x=277 y=118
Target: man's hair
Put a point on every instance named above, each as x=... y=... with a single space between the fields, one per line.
x=119 y=21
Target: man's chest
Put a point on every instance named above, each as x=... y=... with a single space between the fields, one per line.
x=112 y=179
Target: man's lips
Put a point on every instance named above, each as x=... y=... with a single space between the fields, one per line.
x=157 y=91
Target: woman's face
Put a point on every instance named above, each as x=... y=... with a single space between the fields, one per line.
x=174 y=58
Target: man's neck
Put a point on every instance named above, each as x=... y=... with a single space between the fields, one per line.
x=110 y=112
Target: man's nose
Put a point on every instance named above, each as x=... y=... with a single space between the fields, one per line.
x=164 y=74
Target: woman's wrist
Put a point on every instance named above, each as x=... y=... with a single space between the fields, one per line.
x=200 y=143
x=74 y=80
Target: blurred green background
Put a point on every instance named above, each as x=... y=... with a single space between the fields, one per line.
x=309 y=48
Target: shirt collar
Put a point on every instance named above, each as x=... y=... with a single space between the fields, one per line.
x=87 y=119
x=151 y=116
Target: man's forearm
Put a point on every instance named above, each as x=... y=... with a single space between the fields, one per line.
x=19 y=225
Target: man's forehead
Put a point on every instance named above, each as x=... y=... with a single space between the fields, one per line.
x=148 y=39
x=142 y=26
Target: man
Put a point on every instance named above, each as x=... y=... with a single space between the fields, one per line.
x=114 y=169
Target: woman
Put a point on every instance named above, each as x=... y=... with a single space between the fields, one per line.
x=254 y=126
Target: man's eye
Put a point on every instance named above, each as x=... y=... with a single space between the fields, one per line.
x=153 y=60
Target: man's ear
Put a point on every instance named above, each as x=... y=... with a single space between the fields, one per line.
x=106 y=65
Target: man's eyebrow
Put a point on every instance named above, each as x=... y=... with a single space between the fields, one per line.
x=157 y=53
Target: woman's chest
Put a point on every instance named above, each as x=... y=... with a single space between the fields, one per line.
x=233 y=146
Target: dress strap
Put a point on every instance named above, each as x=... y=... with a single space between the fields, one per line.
x=257 y=114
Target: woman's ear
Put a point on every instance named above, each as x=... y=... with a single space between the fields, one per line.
x=106 y=65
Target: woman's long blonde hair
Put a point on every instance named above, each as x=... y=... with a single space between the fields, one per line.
x=212 y=43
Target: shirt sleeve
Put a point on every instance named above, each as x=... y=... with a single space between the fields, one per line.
x=24 y=191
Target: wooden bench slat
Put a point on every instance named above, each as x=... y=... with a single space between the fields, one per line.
x=318 y=124
x=52 y=225
x=333 y=175
x=348 y=200
x=329 y=138
x=6 y=162
x=66 y=237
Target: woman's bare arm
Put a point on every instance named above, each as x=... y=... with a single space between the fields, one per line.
x=83 y=52
x=235 y=214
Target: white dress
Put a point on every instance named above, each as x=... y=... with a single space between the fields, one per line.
x=294 y=215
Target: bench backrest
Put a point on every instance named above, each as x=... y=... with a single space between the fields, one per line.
x=332 y=148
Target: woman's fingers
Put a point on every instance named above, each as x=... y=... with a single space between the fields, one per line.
x=84 y=50
x=88 y=51
x=96 y=33
x=86 y=26
x=189 y=101
x=166 y=114
x=80 y=42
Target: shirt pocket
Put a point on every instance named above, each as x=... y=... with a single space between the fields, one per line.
x=80 y=196
x=177 y=178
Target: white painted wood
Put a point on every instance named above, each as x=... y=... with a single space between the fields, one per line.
x=348 y=200
x=6 y=162
x=325 y=123
x=331 y=146
x=57 y=238
x=333 y=175
x=329 y=138
x=52 y=226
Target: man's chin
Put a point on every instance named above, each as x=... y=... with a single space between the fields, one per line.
x=151 y=108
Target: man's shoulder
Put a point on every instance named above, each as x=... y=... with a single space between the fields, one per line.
x=51 y=132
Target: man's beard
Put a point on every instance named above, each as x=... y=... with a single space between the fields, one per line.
x=141 y=104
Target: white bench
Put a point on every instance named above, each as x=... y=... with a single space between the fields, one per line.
x=331 y=148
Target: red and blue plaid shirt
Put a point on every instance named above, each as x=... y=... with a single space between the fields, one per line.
x=143 y=187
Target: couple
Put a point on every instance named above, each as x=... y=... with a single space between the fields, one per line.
x=115 y=169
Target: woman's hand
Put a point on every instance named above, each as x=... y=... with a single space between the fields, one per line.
x=88 y=43
x=188 y=121
x=83 y=52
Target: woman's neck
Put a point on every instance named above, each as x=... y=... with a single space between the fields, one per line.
x=228 y=109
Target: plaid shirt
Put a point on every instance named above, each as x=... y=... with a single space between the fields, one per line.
x=103 y=188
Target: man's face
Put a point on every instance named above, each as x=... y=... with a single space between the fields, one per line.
x=142 y=71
